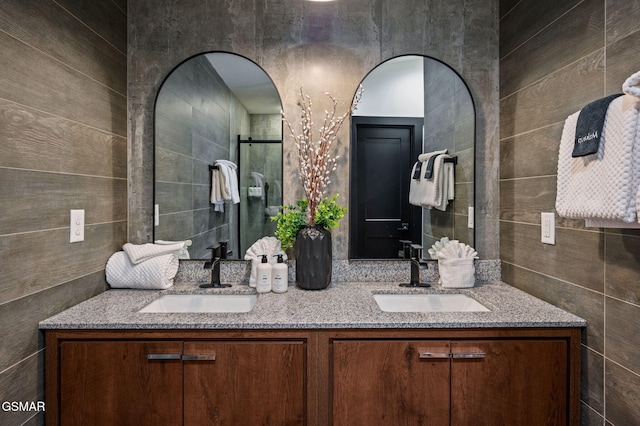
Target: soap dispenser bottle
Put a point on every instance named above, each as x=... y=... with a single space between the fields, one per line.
x=263 y=281
x=280 y=281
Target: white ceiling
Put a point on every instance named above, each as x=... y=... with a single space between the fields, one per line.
x=251 y=85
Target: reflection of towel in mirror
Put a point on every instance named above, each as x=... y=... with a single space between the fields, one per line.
x=216 y=193
x=436 y=191
x=224 y=184
x=230 y=173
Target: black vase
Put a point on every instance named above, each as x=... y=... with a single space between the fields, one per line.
x=313 y=258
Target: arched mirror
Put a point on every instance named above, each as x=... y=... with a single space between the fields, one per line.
x=218 y=154
x=412 y=106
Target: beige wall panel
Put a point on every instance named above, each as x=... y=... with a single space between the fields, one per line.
x=36 y=261
x=63 y=37
x=58 y=89
x=552 y=99
x=570 y=38
x=32 y=139
x=576 y=257
x=35 y=200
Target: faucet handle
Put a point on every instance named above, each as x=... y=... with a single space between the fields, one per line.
x=223 y=252
x=416 y=251
x=215 y=252
x=406 y=248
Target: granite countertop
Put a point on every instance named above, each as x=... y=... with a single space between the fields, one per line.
x=341 y=305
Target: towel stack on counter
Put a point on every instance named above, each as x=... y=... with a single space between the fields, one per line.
x=599 y=161
x=455 y=263
x=144 y=266
x=432 y=181
x=224 y=184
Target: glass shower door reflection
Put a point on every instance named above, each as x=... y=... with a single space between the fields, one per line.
x=260 y=169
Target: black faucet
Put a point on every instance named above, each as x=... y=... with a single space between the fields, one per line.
x=415 y=266
x=217 y=253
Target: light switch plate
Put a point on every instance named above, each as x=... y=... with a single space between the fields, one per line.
x=156 y=214
x=76 y=228
x=548 y=228
x=471 y=218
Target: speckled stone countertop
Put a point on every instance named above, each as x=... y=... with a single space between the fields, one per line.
x=342 y=305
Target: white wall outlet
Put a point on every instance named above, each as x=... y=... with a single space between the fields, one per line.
x=548 y=228
x=76 y=229
x=471 y=221
x=156 y=214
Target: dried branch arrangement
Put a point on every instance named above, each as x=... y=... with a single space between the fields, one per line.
x=316 y=162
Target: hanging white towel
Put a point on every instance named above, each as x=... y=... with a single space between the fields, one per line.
x=431 y=192
x=230 y=171
x=602 y=186
x=216 y=193
x=631 y=86
x=451 y=181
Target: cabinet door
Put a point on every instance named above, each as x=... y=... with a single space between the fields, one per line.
x=244 y=383
x=389 y=382
x=115 y=383
x=518 y=382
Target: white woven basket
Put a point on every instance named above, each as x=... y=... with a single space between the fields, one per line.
x=457 y=272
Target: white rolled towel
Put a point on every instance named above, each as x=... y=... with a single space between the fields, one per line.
x=156 y=273
x=140 y=252
x=631 y=86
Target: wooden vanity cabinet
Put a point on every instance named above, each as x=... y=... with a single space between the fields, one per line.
x=314 y=377
x=484 y=377
x=109 y=379
x=244 y=383
x=113 y=383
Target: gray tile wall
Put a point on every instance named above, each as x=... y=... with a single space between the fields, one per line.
x=63 y=137
x=320 y=47
x=554 y=58
x=449 y=123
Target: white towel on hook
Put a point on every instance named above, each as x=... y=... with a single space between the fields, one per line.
x=602 y=186
x=430 y=192
x=216 y=193
x=230 y=171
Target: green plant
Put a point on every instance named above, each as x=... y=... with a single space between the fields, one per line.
x=289 y=221
x=328 y=213
x=293 y=217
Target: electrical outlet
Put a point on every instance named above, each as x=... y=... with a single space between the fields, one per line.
x=471 y=218
x=548 y=228
x=76 y=228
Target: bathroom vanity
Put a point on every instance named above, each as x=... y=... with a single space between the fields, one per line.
x=314 y=358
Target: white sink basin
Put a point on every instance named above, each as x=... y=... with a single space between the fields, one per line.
x=428 y=303
x=202 y=303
